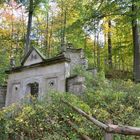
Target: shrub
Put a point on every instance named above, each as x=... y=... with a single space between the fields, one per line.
x=46 y=118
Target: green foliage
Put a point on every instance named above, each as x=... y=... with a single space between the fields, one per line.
x=46 y=118
x=4 y=64
x=116 y=100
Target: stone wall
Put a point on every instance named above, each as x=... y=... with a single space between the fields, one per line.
x=2 y=96
x=75 y=84
x=77 y=58
x=48 y=77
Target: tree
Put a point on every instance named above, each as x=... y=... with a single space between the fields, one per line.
x=136 y=40
x=12 y=32
x=128 y=10
x=109 y=45
x=33 y=4
x=29 y=26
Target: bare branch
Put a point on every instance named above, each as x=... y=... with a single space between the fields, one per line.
x=109 y=128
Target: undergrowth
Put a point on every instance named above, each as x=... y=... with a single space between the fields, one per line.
x=47 y=118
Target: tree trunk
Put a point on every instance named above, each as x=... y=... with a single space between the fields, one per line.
x=29 y=26
x=62 y=23
x=94 y=50
x=50 y=39
x=47 y=35
x=135 y=31
x=64 y=28
x=109 y=45
x=98 y=53
x=47 y=31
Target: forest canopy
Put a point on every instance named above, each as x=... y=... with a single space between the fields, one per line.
x=108 y=31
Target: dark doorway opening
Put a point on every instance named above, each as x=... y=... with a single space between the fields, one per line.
x=34 y=89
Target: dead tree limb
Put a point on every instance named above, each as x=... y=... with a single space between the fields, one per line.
x=124 y=130
x=93 y=120
x=109 y=128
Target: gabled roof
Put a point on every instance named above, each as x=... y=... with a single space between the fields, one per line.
x=46 y=62
x=29 y=52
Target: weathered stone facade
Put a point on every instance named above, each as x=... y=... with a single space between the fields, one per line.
x=3 y=90
x=75 y=84
x=77 y=58
x=37 y=75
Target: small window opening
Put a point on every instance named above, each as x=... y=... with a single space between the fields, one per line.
x=51 y=83
x=16 y=88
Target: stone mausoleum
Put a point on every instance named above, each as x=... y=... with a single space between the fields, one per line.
x=37 y=75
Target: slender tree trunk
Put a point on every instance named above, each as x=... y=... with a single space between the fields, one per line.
x=47 y=34
x=105 y=57
x=98 y=53
x=47 y=30
x=50 y=38
x=62 y=19
x=109 y=45
x=64 y=28
x=63 y=25
x=29 y=26
x=94 y=50
x=135 y=31
x=117 y=53
x=11 y=36
x=23 y=34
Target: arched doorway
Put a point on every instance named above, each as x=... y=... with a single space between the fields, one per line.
x=33 y=89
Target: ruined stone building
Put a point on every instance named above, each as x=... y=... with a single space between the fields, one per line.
x=37 y=75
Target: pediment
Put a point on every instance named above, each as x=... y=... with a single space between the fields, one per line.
x=32 y=57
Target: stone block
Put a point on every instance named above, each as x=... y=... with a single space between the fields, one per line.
x=75 y=84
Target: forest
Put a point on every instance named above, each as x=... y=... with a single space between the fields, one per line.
x=109 y=33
